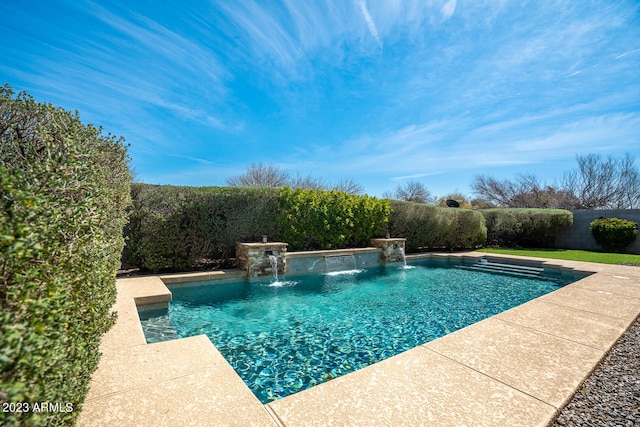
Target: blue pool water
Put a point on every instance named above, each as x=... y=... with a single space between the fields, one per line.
x=290 y=336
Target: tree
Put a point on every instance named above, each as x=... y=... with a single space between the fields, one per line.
x=412 y=192
x=604 y=183
x=548 y=198
x=505 y=193
x=259 y=175
x=597 y=183
x=307 y=182
x=480 y=203
x=349 y=186
x=526 y=191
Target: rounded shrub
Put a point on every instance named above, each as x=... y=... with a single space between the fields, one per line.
x=433 y=227
x=176 y=227
x=526 y=227
x=614 y=234
x=317 y=219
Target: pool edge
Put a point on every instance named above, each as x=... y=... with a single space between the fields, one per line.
x=300 y=410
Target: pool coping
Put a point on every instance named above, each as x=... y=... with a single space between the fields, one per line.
x=516 y=368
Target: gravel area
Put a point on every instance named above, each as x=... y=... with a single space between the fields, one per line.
x=611 y=395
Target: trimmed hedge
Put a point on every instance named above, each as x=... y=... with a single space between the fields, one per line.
x=512 y=227
x=179 y=227
x=316 y=219
x=434 y=227
x=64 y=192
x=614 y=234
x=174 y=227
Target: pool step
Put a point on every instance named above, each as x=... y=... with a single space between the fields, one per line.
x=497 y=267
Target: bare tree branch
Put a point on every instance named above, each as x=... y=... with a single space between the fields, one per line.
x=412 y=192
x=348 y=185
x=259 y=175
x=604 y=183
x=526 y=191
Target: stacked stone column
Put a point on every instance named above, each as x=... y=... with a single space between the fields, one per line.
x=392 y=249
x=254 y=258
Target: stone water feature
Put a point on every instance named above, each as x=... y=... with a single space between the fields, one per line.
x=270 y=258
x=262 y=259
x=392 y=249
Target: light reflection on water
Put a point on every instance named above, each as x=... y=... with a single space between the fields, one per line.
x=288 y=335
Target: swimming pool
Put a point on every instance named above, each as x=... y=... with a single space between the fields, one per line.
x=286 y=337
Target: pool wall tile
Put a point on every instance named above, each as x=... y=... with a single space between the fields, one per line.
x=313 y=262
x=186 y=279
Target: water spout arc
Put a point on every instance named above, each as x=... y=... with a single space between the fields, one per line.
x=273 y=260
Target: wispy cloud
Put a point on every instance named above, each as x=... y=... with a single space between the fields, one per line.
x=458 y=87
x=287 y=37
x=448 y=9
x=631 y=52
x=264 y=32
x=193 y=159
x=369 y=20
x=467 y=147
x=134 y=65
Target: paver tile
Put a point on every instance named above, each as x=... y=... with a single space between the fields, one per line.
x=145 y=289
x=498 y=372
x=592 y=329
x=596 y=301
x=544 y=366
x=127 y=331
x=215 y=396
x=617 y=284
x=142 y=365
x=415 y=388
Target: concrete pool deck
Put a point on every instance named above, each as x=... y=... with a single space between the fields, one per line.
x=517 y=368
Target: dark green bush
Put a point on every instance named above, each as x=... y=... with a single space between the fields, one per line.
x=614 y=234
x=64 y=191
x=316 y=219
x=177 y=227
x=434 y=227
x=512 y=227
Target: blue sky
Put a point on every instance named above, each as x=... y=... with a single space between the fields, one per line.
x=382 y=92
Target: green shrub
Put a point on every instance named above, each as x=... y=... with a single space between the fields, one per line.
x=512 y=227
x=614 y=234
x=64 y=191
x=316 y=219
x=434 y=227
x=175 y=227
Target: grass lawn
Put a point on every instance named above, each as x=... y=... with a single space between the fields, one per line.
x=573 y=255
